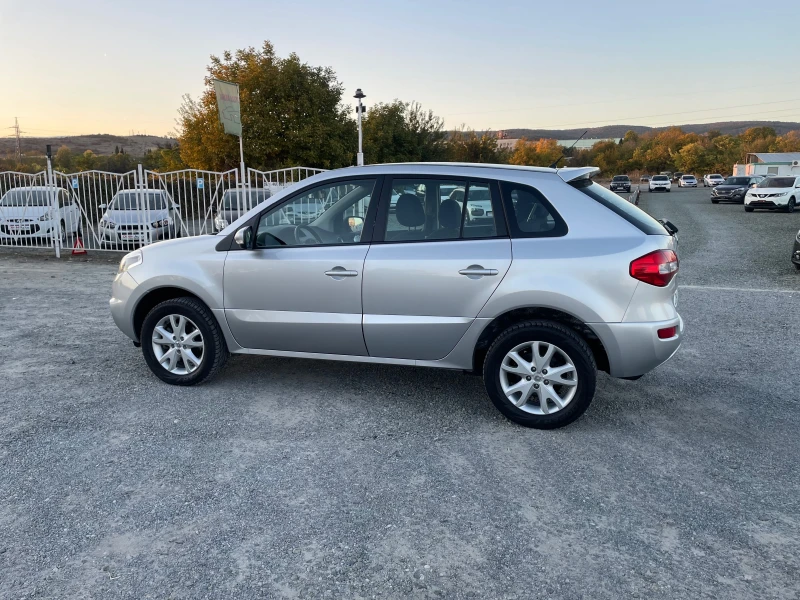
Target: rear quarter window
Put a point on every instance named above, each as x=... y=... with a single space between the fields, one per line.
x=632 y=214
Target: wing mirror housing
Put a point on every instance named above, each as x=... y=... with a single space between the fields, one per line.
x=103 y=206
x=355 y=224
x=243 y=237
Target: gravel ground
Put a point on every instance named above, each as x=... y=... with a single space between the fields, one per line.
x=296 y=479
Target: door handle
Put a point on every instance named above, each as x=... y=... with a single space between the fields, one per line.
x=477 y=271
x=338 y=273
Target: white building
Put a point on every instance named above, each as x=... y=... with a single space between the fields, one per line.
x=769 y=163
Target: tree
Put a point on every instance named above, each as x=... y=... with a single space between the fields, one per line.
x=466 y=146
x=541 y=153
x=292 y=114
x=86 y=161
x=403 y=132
x=64 y=159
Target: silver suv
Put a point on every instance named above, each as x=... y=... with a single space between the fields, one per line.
x=564 y=279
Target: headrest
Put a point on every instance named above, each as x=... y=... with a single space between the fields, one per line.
x=450 y=215
x=410 y=212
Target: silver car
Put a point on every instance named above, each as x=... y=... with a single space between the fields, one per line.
x=566 y=279
x=139 y=216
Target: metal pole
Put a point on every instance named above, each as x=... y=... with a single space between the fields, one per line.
x=360 y=111
x=241 y=161
x=51 y=193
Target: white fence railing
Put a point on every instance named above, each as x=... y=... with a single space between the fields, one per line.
x=120 y=211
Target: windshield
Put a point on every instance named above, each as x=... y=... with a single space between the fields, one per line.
x=26 y=198
x=130 y=201
x=715 y=176
x=688 y=176
x=235 y=200
x=660 y=178
x=620 y=178
x=777 y=182
x=737 y=181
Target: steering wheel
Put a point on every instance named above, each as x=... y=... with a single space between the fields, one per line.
x=310 y=235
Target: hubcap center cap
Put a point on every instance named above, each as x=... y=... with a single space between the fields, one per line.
x=537 y=378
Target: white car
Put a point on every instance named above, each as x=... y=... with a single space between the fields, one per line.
x=712 y=180
x=659 y=183
x=687 y=181
x=774 y=193
x=32 y=212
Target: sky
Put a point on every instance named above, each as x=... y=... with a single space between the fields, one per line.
x=118 y=67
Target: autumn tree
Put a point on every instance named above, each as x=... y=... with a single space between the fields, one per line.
x=65 y=159
x=292 y=114
x=467 y=146
x=541 y=153
x=402 y=132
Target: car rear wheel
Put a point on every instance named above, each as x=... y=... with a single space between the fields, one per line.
x=182 y=342
x=540 y=374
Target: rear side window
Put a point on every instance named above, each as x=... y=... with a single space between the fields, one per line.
x=632 y=214
x=529 y=212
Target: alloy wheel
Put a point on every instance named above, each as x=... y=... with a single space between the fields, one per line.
x=178 y=344
x=538 y=378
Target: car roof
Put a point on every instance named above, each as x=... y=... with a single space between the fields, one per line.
x=565 y=173
x=36 y=188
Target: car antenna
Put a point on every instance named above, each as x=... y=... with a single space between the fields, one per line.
x=564 y=153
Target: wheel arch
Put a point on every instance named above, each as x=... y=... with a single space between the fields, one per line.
x=517 y=315
x=156 y=296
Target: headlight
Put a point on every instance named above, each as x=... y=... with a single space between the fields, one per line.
x=108 y=224
x=161 y=223
x=781 y=194
x=45 y=217
x=130 y=260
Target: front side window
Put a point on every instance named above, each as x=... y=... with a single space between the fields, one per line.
x=529 y=212
x=439 y=209
x=332 y=213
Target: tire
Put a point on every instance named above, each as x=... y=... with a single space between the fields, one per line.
x=214 y=350
x=715 y=202
x=63 y=233
x=748 y=209
x=569 y=344
x=669 y=190
x=790 y=206
x=796 y=266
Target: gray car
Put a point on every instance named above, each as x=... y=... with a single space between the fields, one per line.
x=235 y=203
x=566 y=279
x=139 y=216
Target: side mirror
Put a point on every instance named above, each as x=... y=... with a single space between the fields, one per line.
x=243 y=237
x=103 y=206
x=355 y=224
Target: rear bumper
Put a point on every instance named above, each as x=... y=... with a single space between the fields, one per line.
x=634 y=348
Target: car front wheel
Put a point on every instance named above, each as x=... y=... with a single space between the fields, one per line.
x=790 y=206
x=748 y=209
x=182 y=342
x=540 y=374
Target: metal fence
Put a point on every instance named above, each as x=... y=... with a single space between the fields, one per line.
x=100 y=210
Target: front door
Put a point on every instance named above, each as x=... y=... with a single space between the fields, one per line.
x=299 y=288
x=439 y=253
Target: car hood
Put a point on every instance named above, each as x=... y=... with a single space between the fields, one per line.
x=23 y=212
x=723 y=187
x=135 y=217
x=771 y=190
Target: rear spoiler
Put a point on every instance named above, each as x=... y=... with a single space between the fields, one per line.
x=575 y=173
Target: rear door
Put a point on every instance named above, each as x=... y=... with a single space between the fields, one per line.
x=438 y=256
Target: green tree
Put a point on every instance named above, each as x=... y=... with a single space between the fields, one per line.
x=86 y=161
x=292 y=114
x=467 y=146
x=65 y=159
x=403 y=132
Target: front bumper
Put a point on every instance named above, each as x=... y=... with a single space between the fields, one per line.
x=134 y=236
x=655 y=188
x=120 y=305
x=624 y=188
x=26 y=230
x=634 y=349
x=771 y=203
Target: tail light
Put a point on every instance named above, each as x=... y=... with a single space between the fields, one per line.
x=657 y=268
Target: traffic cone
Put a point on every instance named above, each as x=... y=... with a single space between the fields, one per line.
x=78 y=247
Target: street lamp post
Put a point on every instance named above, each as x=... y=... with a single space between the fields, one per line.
x=360 y=110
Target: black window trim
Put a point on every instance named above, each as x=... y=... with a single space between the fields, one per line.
x=382 y=217
x=560 y=230
x=228 y=244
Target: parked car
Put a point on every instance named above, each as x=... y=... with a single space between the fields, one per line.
x=644 y=178
x=235 y=203
x=796 y=252
x=775 y=192
x=733 y=189
x=34 y=212
x=621 y=182
x=712 y=180
x=667 y=173
x=676 y=176
x=524 y=300
x=687 y=181
x=139 y=216
x=659 y=183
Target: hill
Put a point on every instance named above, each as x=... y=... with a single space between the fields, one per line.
x=616 y=131
x=100 y=143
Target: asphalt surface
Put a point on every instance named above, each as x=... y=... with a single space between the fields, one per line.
x=297 y=479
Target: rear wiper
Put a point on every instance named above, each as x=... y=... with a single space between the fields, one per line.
x=671 y=229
